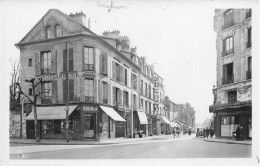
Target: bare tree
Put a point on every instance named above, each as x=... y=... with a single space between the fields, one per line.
x=15 y=78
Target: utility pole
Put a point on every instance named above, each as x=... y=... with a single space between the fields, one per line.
x=67 y=101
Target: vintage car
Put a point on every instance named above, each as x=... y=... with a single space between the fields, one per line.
x=201 y=132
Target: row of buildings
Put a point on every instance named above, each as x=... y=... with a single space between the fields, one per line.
x=108 y=83
x=232 y=105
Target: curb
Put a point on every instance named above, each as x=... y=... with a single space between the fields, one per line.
x=228 y=142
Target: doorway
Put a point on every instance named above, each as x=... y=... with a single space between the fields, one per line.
x=89 y=126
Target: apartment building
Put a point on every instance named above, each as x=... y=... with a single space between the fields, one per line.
x=233 y=93
x=102 y=90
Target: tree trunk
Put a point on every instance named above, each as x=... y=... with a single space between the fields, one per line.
x=36 y=125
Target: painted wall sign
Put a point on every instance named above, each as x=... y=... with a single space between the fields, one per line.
x=240 y=112
x=89 y=108
x=88 y=74
x=59 y=76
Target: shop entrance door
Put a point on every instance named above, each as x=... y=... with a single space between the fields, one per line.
x=30 y=133
x=89 y=126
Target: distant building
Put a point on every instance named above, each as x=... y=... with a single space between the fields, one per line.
x=233 y=94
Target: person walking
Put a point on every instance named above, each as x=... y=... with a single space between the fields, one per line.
x=241 y=132
x=211 y=132
x=173 y=132
x=238 y=133
x=189 y=132
x=207 y=133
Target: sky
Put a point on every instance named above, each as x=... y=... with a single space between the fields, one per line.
x=177 y=37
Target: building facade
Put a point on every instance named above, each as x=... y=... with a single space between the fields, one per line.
x=233 y=94
x=103 y=77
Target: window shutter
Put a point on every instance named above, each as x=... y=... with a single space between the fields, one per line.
x=71 y=60
x=95 y=90
x=101 y=67
x=37 y=64
x=64 y=60
x=65 y=99
x=114 y=95
x=123 y=74
x=100 y=96
x=54 y=91
x=109 y=93
x=114 y=70
x=54 y=61
x=71 y=90
x=82 y=95
x=105 y=63
x=120 y=97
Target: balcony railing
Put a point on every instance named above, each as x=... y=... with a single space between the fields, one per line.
x=227 y=25
x=228 y=52
x=248 y=75
x=228 y=79
x=248 y=44
x=249 y=14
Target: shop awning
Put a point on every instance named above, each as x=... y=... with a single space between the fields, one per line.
x=165 y=120
x=142 y=117
x=173 y=124
x=51 y=113
x=112 y=113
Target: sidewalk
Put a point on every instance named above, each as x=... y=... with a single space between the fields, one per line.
x=86 y=142
x=228 y=141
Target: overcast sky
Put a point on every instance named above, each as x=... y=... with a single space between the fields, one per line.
x=177 y=37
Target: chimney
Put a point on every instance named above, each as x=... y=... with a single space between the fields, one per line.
x=114 y=34
x=133 y=49
x=125 y=43
x=79 y=18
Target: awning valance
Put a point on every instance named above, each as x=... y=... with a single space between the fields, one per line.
x=51 y=113
x=112 y=113
x=142 y=117
x=173 y=124
x=165 y=120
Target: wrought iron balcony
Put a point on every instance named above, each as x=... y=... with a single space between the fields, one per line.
x=227 y=25
x=248 y=75
x=227 y=80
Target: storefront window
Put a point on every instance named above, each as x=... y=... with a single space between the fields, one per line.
x=229 y=125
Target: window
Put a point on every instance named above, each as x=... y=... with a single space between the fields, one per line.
x=117 y=72
x=249 y=68
x=89 y=90
x=232 y=96
x=134 y=101
x=88 y=58
x=46 y=93
x=125 y=98
x=30 y=92
x=46 y=62
x=228 y=19
x=249 y=40
x=48 y=32
x=146 y=94
x=142 y=89
x=150 y=108
x=228 y=46
x=228 y=76
x=30 y=62
x=149 y=91
x=117 y=96
x=105 y=93
x=248 y=13
x=146 y=106
x=134 y=81
x=142 y=104
x=58 y=31
x=103 y=64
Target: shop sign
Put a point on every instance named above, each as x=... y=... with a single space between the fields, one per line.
x=89 y=108
x=59 y=76
x=240 y=112
x=88 y=74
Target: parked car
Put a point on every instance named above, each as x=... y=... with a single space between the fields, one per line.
x=201 y=132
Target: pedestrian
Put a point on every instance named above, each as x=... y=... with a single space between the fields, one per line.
x=189 y=132
x=241 y=132
x=211 y=132
x=173 y=132
x=207 y=133
x=238 y=133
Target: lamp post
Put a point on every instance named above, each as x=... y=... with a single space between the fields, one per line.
x=67 y=95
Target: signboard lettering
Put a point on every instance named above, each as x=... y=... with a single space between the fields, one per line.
x=239 y=112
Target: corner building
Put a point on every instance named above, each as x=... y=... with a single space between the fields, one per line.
x=233 y=94
x=103 y=77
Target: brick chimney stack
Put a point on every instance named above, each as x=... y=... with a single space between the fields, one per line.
x=79 y=18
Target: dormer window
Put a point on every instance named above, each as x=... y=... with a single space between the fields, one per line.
x=48 y=32
x=58 y=31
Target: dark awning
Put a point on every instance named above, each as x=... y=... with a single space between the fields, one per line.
x=214 y=108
